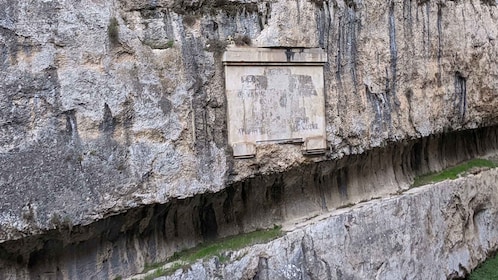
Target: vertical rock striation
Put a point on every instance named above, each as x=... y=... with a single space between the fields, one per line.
x=440 y=231
x=123 y=244
x=108 y=107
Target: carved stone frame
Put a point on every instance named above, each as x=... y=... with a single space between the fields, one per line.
x=275 y=96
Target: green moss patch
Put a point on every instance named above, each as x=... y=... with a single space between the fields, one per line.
x=486 y=271
x=453 y=172
x=214 y=248
x=231 y=243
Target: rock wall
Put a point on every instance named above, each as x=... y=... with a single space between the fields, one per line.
x=439 y=231
x=107 y=106
x=123 y=244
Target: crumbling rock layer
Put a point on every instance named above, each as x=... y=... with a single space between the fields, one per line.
x=114 y=108
x=439 y=231
x=121 y=245
x=109 y=105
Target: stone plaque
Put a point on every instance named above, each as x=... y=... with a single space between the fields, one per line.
x=275 y=95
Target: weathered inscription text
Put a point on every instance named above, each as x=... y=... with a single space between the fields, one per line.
x=275 y=103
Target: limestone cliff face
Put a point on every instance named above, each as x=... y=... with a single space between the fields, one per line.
x=108 y=105
x=434 y=232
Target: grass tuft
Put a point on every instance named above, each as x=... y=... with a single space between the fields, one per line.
x=231 y=243
x=214 y=248
x=158 y=273
x=453 y=172
x=151 y=266
x=486 y=271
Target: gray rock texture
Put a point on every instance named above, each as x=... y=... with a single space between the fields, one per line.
x=127 y=243
x=110 y=106
x=438 y=231
x=107 y=105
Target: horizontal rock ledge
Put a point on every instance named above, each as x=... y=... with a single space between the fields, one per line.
x=123 y=244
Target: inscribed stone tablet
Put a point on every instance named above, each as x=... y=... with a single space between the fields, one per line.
x=280 y=102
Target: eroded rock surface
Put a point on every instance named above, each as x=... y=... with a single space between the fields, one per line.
x=110 y=106
x=107 y=105
x=439 y=231
x=123 y=244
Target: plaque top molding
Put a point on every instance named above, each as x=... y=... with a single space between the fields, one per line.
x=283 y=56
